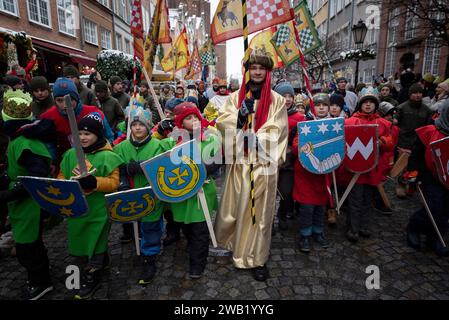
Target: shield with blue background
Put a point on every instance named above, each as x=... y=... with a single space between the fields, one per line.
x=178 y=174
x=321 y=145
x=131 y=205
x=63 y=198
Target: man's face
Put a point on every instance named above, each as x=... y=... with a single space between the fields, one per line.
x=368 y=107
x=179 y=92
x=222 y=90
x=143 y=90
x=166 y=90
x=169 y=114
x=101 y=95
x=75 y=80
x=417 y=96
x=342 y=85
x=257 y=73
x=118 y=87
x=41 y=94
x=385 y=92
x=60 y=103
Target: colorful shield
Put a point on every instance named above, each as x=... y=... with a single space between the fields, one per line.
x=131 y=205
x=321 y=145
x=63 y=198
x=440 y=151
x=361 y=147
x=178 y=174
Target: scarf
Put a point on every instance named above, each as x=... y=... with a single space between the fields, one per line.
x=137 y=144
x=96 y=146
x=293 y=109
x=264 y=104
x=442 y=122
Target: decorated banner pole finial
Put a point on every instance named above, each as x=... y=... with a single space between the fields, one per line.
x=248 y=95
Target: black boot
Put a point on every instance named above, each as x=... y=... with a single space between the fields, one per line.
x=261 y=273
x=283 y=225
x=171 y=238
x=413 y=238
x=322 y=241
x=196 y=271
x=149 y=270
x=304 y=244
x=90 y=284
x=352 y=236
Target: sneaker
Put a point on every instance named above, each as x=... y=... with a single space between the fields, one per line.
x=149 y=270
x=126 y=238
x=304 y=244
x=352 y=237
x=170 y=239
x=332 y=216
x=35 y=293
x=90 y=284
x=322 y=241
x=196 y=272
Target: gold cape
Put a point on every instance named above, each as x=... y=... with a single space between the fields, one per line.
x=234 y=230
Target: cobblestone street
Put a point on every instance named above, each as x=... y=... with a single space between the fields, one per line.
x=334 y=273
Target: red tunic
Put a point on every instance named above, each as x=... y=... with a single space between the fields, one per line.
x=427 y=135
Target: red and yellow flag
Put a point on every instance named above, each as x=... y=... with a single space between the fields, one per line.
x=195 y=64
x=261 y=44
x=181 y=59
x=261 y=14
x=137 y=29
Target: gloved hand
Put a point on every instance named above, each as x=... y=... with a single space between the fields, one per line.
x=18 y=192
x=246 y=109
x=88 y=183
x=123 y=187
x=165 y=125
x=309 y=116
x=133 y=168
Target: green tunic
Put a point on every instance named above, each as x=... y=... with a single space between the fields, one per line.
x=128 y=152
x=24 y=214
x=190 y=211
x=88 y=235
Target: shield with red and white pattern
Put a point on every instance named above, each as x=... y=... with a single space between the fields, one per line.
x=361 y=147
x=440 y=152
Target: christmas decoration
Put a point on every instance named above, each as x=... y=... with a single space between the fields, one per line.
x=116 y=63
x=363 y=54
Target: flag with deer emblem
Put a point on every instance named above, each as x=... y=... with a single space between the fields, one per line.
x=181 y=59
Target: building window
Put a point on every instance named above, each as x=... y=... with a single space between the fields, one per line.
x=106 y=39
x=339 y=5
x=38 y=11
x=410 y=24
x=127 y=46
x=119 y=42
x=390 y=59
x=66 y=17
x=120 y=6
x=106 y=3
x=333 y=7
x=90 y=32
x=347 y=2
x=9 y=6
x=432 y=53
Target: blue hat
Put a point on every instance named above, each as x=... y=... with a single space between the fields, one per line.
x=172 y=103
x=284 y=88
x=64 y=86
x=192 y=100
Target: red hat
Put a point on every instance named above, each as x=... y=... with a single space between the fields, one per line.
x=184 y=109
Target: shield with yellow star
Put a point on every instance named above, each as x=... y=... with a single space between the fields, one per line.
x=131 y=205
x=178 y=174
x=63 y=198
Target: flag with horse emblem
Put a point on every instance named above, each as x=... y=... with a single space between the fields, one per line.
x=228 y=20
x=440 y=151
x=181 y=60
x=305 y=25
x=284 y=43
x=361 y=147
x=62 y=198
x=321 y=145
x=261 y=44
x=178 y=174
x=131 y=205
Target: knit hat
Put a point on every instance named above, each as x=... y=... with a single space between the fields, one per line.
x=92 y=123
x=415 y=88
x=64 y=86
x=172 y=103
x=321 y=98
x=262 y=59
x=16 y=105
x=438 y=80
x=369 y=93
x=385 y=108
x=192 y=99
x=142 y=115
x=71 y=71
x=12 y=81
x=114 y=80
x=101 y=86
x=428 y=77
x=184 y=109
x=283 y=88
x=339 y=79
x=444 y=86
x=337 y=99
x=39 y=83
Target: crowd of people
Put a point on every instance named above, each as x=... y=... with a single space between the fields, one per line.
x=35 y=141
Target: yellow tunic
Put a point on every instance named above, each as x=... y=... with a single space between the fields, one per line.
x=234 y=230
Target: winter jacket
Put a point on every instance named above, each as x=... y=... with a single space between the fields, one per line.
x=87 y=96
x=390 y=100
x=112 y=110
x=151 y=105
x=122 y=98
x=39 y=107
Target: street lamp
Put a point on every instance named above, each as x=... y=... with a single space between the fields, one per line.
x=359 y=32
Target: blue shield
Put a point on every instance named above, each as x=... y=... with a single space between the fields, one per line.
x=321 y=145
x=178 y=174
x=63 y=198
x=131 y=205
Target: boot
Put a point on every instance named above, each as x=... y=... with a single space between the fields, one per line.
x=170 y=239
x=149 y=270
x=332 y=216
x=283 y=225
x=304 y=244
x=413 y=238
x=321 y=240
x=196 y=271
x=90 y=284
x=352 y=236
x=261 y=273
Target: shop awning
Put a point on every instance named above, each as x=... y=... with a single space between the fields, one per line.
x=85 y=60
x=55 y=47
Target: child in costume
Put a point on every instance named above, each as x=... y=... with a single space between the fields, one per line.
x=286 y=176
x=311 y=191
x=141 y=147
x=88 y=235
x=189 y=212
x=27 y=156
